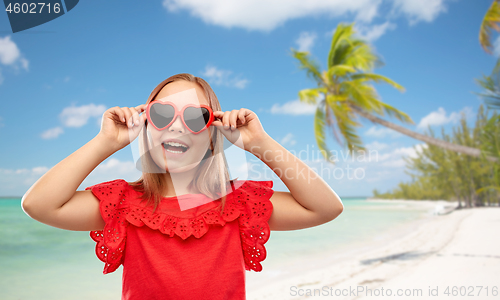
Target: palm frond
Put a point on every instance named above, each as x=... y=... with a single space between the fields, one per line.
x=346 y=124
x=361 y=56
x=491 y=94
x=342 y=32
x=377 y=78
x=392 y=111
x=340 y=70
x=319 y=130
x=310 y=96
x=490 y=22
x=359 y=92
x=491 y=87
x=309 y=65
x=331 y=121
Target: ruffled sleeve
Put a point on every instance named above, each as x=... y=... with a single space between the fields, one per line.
x=256 y=209
x=114 y=208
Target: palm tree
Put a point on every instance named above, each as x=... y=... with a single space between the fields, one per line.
x=490 y=22
x=491 y=83
x=491 y=88
x=347 y=94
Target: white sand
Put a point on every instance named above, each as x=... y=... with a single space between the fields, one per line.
x=459 y=250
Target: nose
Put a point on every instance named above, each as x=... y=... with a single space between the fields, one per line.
x=177 y=126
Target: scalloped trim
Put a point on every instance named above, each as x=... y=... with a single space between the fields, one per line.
x=182 y=227
x=253 y=223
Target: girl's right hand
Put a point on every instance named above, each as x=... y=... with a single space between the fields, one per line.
x=121 y=125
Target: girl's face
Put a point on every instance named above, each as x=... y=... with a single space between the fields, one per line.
x=164 y=144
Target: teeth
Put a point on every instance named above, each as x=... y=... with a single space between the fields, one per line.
x=176 y=144
x=174 y=151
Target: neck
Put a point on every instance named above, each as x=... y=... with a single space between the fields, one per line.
x=177 y=183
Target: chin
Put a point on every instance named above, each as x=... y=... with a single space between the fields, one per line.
x=175 y=167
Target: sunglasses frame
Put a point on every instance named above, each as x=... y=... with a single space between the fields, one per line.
x=181 y=114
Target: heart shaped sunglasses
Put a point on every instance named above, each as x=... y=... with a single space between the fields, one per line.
x=196 y=117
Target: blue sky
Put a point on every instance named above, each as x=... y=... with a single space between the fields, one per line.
x=59 y=77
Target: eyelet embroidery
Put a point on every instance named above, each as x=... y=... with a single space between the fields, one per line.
x=249 y=203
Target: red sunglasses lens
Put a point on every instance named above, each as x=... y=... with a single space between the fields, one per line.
x=196 y=118
x=161 y=115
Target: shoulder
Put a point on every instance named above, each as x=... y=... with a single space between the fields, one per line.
x=254 y=200
x=252 y=186
x=112 y=195
x=109 y=189
x=113 y=184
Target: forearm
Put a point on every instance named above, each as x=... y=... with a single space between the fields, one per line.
x=60 y=183
x=305 y=185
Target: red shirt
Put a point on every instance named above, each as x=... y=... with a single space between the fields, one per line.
x=197 y=253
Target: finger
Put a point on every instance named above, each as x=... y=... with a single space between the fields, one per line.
x=140 y=124
x=218 y=114
x=135 y=116
x=141 y=108
x=225 y=119
x=233 y=117
x=128 y=116
x=241 y=115
x=118 y=112
x=216 y=123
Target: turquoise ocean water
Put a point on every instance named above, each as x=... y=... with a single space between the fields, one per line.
x=41 y=262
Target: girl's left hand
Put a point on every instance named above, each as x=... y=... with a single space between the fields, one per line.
x=241 y=127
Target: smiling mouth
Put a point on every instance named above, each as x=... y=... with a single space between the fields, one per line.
x=175 y=147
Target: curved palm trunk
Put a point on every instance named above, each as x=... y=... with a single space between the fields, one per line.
x=430 y=140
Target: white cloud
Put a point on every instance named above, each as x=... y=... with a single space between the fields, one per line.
x=267 y=15
x=116 y=166
x=51 y=133
x=395 y=158
x=381 y=132
x=9 y=52
x=305 y=41
x=11 y=56
x=420 y=10
x=112 y=169
x=288 y=139
x=39 y=170
x=224 y=77
x=77 y=116
x=439 y=117
x=376 y=146
x=295 y=107
x=15 y=182
x=373 y=32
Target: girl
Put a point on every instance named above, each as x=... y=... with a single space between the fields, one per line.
x=183 y=230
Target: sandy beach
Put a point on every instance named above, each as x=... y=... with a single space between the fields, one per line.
x=455 y=255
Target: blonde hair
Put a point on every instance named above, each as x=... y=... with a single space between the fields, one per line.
x=211 y=176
